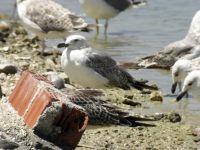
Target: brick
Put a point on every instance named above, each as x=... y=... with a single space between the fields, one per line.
x=47 y=110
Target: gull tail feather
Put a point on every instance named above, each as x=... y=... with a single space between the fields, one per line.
x=132 y=121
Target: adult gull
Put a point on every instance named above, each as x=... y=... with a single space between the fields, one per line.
x=106 y=9
x=85 y=66
x=191 y=84
x=180 y=70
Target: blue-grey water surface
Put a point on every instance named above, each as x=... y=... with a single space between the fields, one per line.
x=140 y=32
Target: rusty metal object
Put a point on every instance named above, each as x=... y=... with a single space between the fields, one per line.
x=48 y=111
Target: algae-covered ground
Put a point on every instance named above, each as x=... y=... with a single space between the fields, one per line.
x=24 y=51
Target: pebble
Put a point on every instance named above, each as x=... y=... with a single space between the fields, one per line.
x=158 y=116
x=156 y=96
x=174 y=117
x=8 y=68
x=58 y=82
x=131 y=103
x=5 y=144
x=196 y=132
x=5 y=49
x=4 y=26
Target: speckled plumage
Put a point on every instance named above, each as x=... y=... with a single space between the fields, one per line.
x=44 y=16
x=101 y=111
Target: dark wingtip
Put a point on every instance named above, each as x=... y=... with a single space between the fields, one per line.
x=132 y=121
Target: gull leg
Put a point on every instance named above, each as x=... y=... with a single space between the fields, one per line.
x=106 y=27
x=14 y=10
x=97 y=23
x=43 y=46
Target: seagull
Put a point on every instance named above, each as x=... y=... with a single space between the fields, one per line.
x=106 y=9
x=191 y=84
x=188 y=48
x=180 y=70
x=101 y=112
x=49 y=20
x=85 y=66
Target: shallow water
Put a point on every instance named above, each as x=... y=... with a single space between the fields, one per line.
x=140 y=32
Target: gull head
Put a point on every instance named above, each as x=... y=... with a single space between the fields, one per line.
x=74 y=42
x=179 y=71
x=191 y=84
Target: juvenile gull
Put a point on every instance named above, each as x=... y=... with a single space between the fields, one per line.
x=180 y=70
x=106 y=9
x=90 y=69
x=186 y=48
x=48 y=19
x=191 y=84
x=102 y=112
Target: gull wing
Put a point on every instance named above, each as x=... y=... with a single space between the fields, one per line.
x=50 y=16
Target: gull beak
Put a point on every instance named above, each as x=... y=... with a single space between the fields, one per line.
x=173 y=88
x=180 y=95
x=61 y=45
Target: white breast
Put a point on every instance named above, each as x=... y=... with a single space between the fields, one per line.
x=98 y=9
x=78 y=72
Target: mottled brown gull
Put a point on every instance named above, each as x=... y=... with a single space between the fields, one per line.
x=48 y=19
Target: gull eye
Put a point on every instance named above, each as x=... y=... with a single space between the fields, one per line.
x=190 y=83
x=76 y=40
x=176 y=74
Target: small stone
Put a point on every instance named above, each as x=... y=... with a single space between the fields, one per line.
x=196 y=132
x=174 y=117
x=129 y=96
x=5 y=49
x=58 y=82
x=5 y=144
x=196 y=139
x=156 y=96
x=8 y=68
x=131 y=103
x=4 y=26
x=158 y=116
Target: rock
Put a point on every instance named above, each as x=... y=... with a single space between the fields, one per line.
x=174 y=117
x=4 y=26
x=131 y=103
x=8 y=68
x=128 y=96
x=158 y=116
x=156 y=96
x=5 y=49
x=58 y=82
x=196 y=132
x=4 y=144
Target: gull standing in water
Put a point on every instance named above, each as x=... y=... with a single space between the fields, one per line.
x=106 y=9
x=90 y=69
x=48 y=19
x=180 y=70
x=191 y=84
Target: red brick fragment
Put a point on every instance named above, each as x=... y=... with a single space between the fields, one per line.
x=32 y=98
